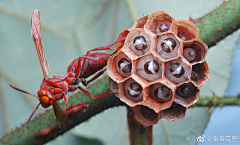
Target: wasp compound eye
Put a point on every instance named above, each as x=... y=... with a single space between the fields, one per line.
x=168 y=45
x=149 y=68
x=177 y=70
x=190 y=54
x=45 y=100
x=125 y=65
x=163 y=27
x=160 y=92
x=140 y=43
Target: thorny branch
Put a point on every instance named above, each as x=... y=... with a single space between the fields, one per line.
x=46 y=122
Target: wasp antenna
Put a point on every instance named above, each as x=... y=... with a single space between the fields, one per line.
x=31 y=116
x=23 y=91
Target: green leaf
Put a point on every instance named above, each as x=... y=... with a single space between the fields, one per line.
x=182 y=131
x=69 y=30
x=219 y=60
x=77 y=140
x=110 y=127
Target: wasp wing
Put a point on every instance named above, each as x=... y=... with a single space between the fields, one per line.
x=59 y=113
x=37 y=39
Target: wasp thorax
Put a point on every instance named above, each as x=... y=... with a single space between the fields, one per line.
x=177 y=70
x=134 y=90
x=162 y=93
x=168 y=45
x=151 y=67
x=140 y=43
x=189 y=54
x=185 y=91
x=125 y=65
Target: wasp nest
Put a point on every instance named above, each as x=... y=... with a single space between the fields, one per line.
x=159 y=68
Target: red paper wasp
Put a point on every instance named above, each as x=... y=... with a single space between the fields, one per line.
x=56 y=87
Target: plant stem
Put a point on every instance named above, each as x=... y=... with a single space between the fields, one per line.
x=139 y=134
x=219 y=23
x=216 y=101
x=51 y=128
x=47 y=119
x=4 y=102
x=4 y=106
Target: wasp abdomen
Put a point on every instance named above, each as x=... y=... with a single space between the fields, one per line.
x=93 y=66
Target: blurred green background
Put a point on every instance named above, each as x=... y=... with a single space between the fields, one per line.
x=69 y=30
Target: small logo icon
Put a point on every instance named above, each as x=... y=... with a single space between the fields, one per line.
x=201 y=138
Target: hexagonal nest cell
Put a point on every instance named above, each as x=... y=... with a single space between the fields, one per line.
x=185 y=30
x=195 y=51
x=175 y=112
x=149 y=68
x=145 y=115
x=159 y=22
x=140 y=42
x=133 y=90
x=159 y=68
x=168 y=46
x=177 y=71
x=141 y=22
x=187 y=94
x=161 y=93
